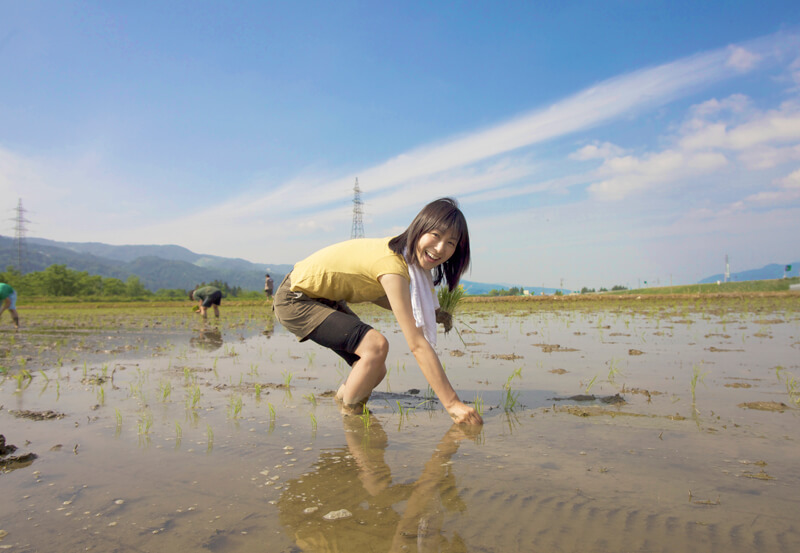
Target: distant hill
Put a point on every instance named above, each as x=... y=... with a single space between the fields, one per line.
x=156 y=266
x=767 y=272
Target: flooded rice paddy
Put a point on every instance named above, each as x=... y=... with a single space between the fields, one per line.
x=629 y=425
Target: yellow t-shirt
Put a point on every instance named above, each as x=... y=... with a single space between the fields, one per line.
x=348 y=270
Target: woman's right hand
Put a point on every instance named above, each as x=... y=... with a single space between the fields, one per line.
x=461 y=413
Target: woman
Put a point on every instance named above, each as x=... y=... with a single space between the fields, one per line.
x=311 y=302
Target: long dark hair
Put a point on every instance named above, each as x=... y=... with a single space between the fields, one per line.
x=442 y=214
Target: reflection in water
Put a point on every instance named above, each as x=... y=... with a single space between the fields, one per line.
x=269 y=327
x=385 y=516
x=207 y=338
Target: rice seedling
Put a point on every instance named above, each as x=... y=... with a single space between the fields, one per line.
x=313 y=422
x=118 y=416
x=448 y=303
x=258 y=391
x=253 y=369
x=209 y=437
x=144 y=423
x=613 y=369
x=479 y=404
x=271 y=411
x=178 y=433
x=287 y=378
x=235 y=406
x=793 y=388
x=510 y=396
x=101 y=395
x=311 y=399
x=697 y=376
x=165 y=390
x=791 y=383
x=44 y=375
x=365 y=417
x=193 y=397
x=591 y=383
x=310 y=356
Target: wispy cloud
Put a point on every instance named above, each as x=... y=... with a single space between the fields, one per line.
x=630 y=174
x=599 y=104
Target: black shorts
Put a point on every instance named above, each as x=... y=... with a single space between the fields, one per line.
x=341 y=333
x=214 y=299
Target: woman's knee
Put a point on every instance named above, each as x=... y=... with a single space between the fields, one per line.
x=374 y=344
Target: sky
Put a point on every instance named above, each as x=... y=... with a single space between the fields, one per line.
x=589 y=144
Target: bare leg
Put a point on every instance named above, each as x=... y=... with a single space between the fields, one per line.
x=216 y=311
x=368 y=371
x=14 y=316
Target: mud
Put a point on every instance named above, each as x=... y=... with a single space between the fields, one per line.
x=147 y=430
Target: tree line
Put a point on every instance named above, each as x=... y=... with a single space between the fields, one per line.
x=615 y=288
x=514 y=291
x=60 y=281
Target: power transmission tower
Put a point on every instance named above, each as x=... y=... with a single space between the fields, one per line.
x=19 y=236
x=357 y=230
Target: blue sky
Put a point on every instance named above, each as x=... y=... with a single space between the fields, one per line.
x=589 y=144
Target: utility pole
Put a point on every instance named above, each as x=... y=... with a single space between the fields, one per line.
x=357 y=230
x=727 y=269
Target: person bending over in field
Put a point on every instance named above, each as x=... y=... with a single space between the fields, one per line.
x=206 y=296
x=8 y=300
x=394 y=273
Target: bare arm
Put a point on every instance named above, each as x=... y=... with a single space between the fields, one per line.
x=400 y=300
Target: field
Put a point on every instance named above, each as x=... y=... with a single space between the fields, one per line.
x=613 y=423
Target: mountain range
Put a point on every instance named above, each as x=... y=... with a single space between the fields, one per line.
x=156 y=266
x=173 y=266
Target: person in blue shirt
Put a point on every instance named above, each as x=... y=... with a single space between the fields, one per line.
x=8 y=300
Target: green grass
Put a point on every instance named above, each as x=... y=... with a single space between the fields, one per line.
x=776 y=285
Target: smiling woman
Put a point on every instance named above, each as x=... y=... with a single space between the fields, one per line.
x=398 y=274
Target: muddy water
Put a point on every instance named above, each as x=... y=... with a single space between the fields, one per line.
x=649 y=426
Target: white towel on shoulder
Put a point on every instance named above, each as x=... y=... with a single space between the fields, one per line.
x=424 y=302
